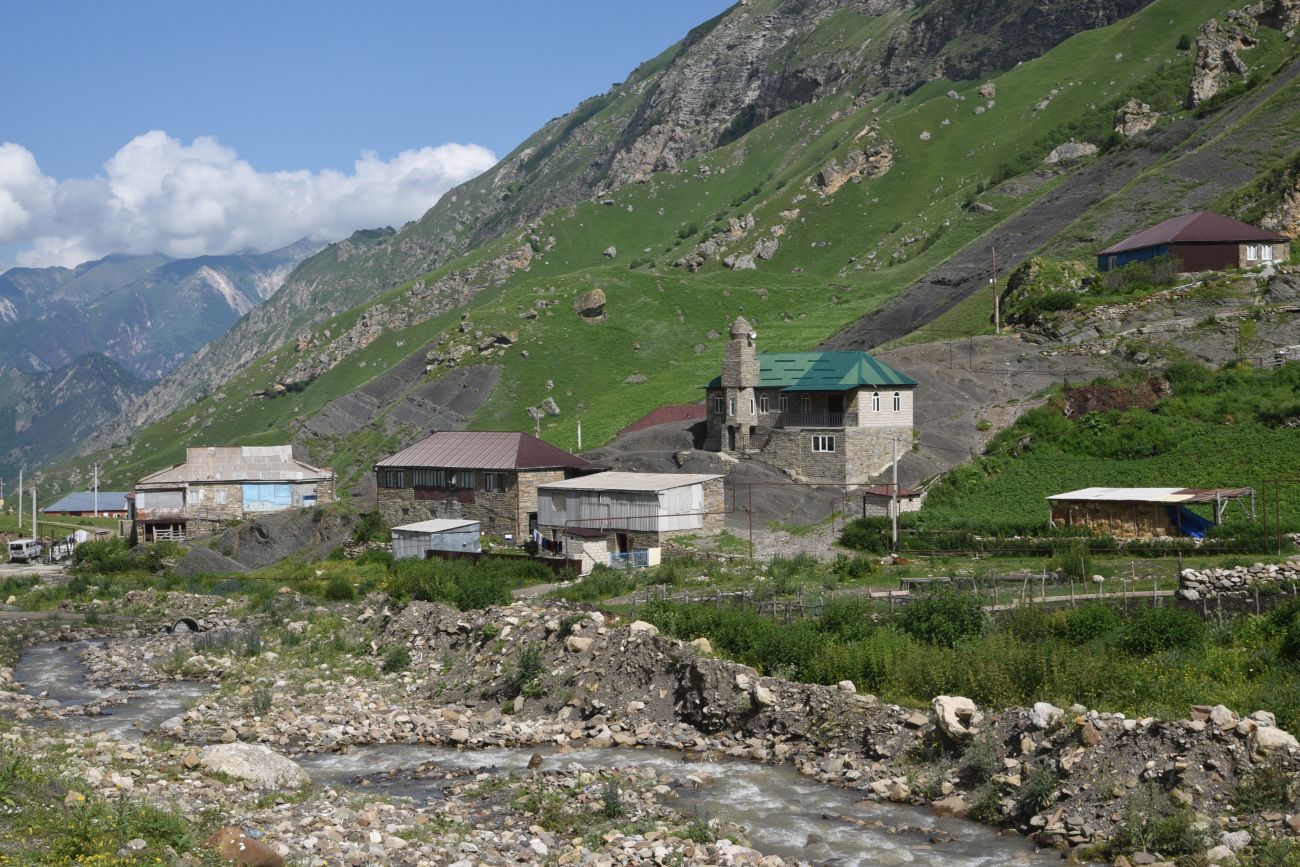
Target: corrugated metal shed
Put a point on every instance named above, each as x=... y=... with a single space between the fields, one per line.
x=823 y=371
x=651 y=483
x=436 y=525
x=485 y=450
x=1202 y=227
x=237 y=464
x=84 y=501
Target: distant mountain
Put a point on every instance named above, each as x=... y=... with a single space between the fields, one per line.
x=147 y=313
x=44 y=414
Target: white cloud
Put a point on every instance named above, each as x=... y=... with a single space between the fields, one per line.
x=160 y=195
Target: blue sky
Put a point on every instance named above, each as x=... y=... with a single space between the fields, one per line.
x=282 y=87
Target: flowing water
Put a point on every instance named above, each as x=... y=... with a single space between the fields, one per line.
x=782 y=812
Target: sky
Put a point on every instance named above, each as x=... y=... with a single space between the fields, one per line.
x=190 y=129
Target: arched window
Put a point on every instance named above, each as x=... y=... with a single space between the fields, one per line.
x=875 y=401
x=898 y=402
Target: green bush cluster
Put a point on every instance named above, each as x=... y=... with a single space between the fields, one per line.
x=461 y=583
x=1151 y=660
x=115 y=556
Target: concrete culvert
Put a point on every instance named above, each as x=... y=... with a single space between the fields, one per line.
x=183 y=625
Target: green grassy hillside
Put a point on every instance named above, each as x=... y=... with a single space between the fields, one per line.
x=839 y=257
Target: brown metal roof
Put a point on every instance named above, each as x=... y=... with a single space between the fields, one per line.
x=1203 y=227
x=485 y=450
x=666 y=414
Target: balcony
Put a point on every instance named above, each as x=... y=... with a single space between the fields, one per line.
x=816 y=419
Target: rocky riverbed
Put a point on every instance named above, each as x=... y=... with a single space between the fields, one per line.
x=445 y=708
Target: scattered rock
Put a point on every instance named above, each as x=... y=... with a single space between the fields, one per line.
x=256 y=764
x=1070 y=152
x=590 y=305
x=957 y=715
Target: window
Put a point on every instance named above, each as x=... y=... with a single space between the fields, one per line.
x=805 y=402
x=1252 y=252
x=751 y=406
x=429 y=478
x=733 y=406
x=494 y=481
x=763 y=404
x=875 y=401
x=823 y=443
x=898 y=402
x=221 y=497
x=462 y=479
x=783 y=403
x=391 y=479
x=1266 y=252
x=719 y=404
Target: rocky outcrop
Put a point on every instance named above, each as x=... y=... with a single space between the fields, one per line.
x=1134 y=118
x=590 y=305
x=1070 y=151
x=873 y=162
x=1217 y=58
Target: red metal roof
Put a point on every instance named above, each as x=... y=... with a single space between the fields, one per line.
x=1203 y=227
x=485 y=450
x=666 y=414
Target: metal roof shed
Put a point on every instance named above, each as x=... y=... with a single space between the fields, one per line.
x=413 y=541
x=1143 y=512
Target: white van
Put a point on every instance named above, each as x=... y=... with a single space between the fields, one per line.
x=24 y=550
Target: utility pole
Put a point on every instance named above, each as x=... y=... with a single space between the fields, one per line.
x=20 y=498
x=35 y=534
x=997 y=302
x=893 y=491
x=96 y=489
x=579 y=449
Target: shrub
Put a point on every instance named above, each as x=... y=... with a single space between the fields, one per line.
x=979 y=762
x=396 y=658
x=111 y=555
x=1087 y=623
x=1264 y=789
x=1039 y=792
x=377 y=556
x=1153 y=823
x=944 y=616
x=340 y=589
x=461 y=583
x=371 y=528
x=870 y=535
x=1161 y=628
x=528 y=668
x=611 y=800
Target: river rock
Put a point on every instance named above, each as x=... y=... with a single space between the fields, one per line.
x=641 y=627
x=1044 y=715
x=957 y=715
x=1222 y=717
x=256 y=764
x=234 y=845
x=577 y=643
x=953 y=805
x=1266 y=740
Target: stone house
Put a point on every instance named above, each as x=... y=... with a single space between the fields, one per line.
x=621 y=519
x=822 y=416
x=486 y=476
x=217 y=484
x=1204 y=241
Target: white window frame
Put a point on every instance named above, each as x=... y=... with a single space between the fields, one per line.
x=1266 y=252
x=764 y=404
x=221 y=496
x=783 y=402
x=731 y=403
x=875 y=401
x=719 y=404
x=823 y=443
x=898 y=402
x=1252 y=252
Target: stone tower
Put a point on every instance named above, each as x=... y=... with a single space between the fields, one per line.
x=739 y=376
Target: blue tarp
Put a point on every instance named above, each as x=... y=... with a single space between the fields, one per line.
x=1191 y=523
x=267 y=497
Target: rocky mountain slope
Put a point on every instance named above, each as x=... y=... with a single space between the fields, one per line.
x=44 y=414
x=148 y=313
x=605 y=254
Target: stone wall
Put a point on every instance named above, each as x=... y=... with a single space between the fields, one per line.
x=499 y=512
x=1240 y=582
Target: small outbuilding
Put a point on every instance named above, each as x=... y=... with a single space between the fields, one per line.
x=1144 y=513
x=1204 y=241
x=415 y=541
x=878 y=501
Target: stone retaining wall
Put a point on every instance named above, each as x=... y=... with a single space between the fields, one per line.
x=1239 y=582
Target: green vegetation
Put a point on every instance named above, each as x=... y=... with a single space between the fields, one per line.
x=464 y=584
x=1224 y=428
x=1156 y=661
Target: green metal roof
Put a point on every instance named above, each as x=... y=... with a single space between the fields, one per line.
x=822 y=371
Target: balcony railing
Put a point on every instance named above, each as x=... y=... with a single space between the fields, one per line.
x=816 y=419
x=629 y=559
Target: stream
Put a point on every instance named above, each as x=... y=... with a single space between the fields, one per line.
x=783 y=812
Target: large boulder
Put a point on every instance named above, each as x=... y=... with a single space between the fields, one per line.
x=254 y=763
x=1044 y=715
x=1134 y=118
x=957 y=715
x=1070 y=151
x=590 y=305
x=234 y=845
x=1267 y=740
